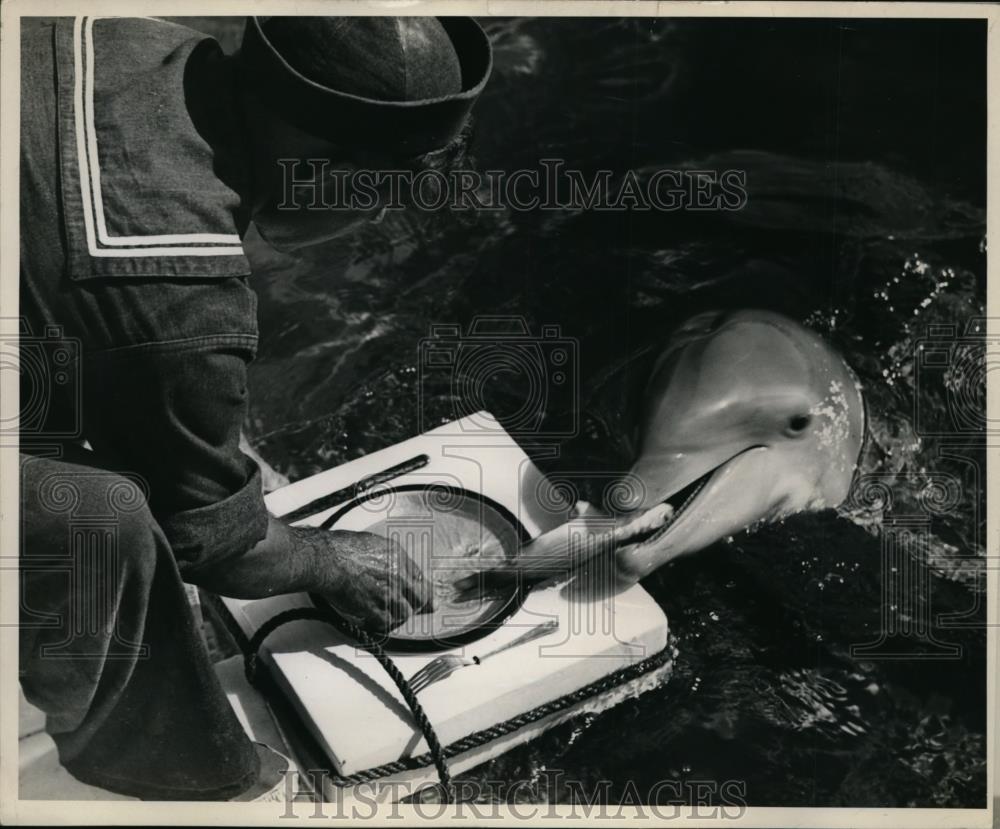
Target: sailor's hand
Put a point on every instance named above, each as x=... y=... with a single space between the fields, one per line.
x=367 y=578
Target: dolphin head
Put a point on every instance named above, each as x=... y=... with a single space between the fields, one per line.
x=749 y=417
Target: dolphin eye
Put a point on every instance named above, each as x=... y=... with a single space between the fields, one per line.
x=797 y=424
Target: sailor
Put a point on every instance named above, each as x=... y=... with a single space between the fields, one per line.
x=146 y=154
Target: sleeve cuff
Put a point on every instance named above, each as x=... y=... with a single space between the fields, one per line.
x=226 y=529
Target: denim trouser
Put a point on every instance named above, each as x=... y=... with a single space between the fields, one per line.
x=108 y=645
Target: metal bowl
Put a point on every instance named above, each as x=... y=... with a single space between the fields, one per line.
x=441 y=528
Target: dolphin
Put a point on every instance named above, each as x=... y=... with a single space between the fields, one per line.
x=748 y=417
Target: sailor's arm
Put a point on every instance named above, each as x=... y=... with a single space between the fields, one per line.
x=364 y=576
x=174 y=415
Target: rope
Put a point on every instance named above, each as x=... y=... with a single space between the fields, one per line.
x=487 y=735
x=437 y=754
x=250 y=663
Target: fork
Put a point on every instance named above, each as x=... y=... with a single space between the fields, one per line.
x=445 y=665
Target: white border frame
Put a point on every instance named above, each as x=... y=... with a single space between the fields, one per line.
x=126 y=813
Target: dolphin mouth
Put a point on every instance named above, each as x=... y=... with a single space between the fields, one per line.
x=653 y=523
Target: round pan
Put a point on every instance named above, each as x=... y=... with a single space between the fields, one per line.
x=442 y=528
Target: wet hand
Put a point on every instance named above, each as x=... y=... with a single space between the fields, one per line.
x=365 y=577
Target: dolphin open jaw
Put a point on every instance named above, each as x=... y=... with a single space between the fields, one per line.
x=729 y=384
x=653 y=523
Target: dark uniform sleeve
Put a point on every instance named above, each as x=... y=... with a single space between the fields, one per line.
x=147 y=282
x=172 y=413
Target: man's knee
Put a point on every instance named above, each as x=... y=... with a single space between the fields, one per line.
x=90 y=557
x=70 y=511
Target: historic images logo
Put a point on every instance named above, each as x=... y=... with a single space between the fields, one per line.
x=316 y=184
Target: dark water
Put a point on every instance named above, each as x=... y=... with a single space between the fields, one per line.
x=864 y=146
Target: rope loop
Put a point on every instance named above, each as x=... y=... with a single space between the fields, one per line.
x=369 y=644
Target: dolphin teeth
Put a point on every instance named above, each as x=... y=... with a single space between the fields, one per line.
x=695 y=489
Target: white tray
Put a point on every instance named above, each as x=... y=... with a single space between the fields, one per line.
x=344 y=697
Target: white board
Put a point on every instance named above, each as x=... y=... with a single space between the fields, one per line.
x=344 y=697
